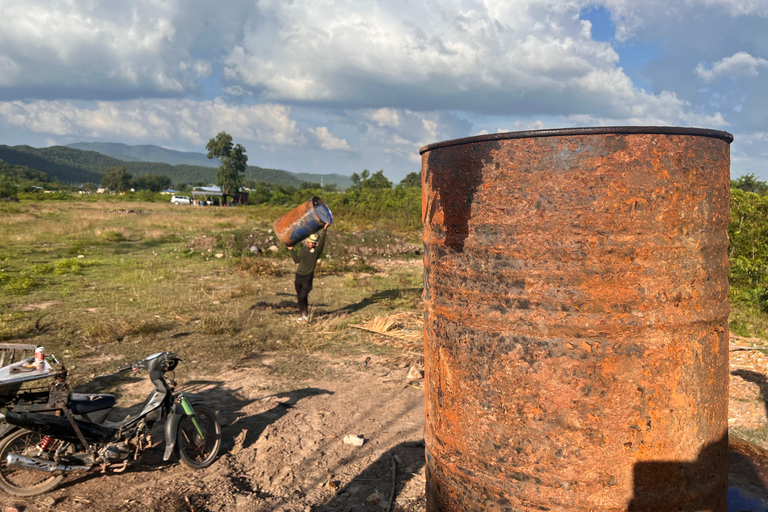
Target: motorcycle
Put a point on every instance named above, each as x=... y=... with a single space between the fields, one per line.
x=70 y=433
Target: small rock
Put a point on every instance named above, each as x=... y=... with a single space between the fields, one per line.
x=334 y=484
x=273 y=248
x=415 y=373
x=81 y=255
x=384 y=504
x=254 y=249
x=354 y=440
x=374 y=497
x=48 y=501
x=10 y=509
x=219 y=254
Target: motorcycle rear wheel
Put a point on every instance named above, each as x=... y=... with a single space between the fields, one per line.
x=19 y=481
x=195 y=452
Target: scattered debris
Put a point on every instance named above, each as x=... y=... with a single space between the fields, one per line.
x=354 y=440
x=273 y=248
x=219 y=254
x=415 y=374
x=393 y=326
x=375 y=497
x=47 y=501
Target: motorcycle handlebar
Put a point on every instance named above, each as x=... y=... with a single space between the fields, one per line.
x=172 y=360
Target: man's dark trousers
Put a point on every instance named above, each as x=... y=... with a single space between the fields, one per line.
x=303 y=287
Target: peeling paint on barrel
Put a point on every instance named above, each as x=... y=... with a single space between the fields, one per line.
x=576 y=320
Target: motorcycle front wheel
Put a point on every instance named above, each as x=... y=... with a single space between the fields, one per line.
x=195 y=451
x=19 y=481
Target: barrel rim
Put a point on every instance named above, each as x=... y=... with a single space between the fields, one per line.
x=596 y=130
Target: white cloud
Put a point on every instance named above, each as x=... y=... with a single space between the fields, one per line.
x=328 y=141
x=494 y=57
x=236 y=90
x=738 y=64
x=385 y=117
x=73 y=49
x=194 y=122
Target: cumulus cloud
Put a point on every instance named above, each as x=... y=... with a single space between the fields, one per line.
x=738 y=64
x=328 y=141
x=491 y=56
x=194 y=122
x=106 y=49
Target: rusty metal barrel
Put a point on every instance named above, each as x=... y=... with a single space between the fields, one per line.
x=576 y=320
x=307 y=218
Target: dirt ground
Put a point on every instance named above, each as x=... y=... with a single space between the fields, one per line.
x=284 y=451
x=281 y=452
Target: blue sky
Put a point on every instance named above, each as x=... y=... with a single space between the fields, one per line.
x=341 y=86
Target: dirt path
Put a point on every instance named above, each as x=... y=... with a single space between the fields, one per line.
x=281 y=451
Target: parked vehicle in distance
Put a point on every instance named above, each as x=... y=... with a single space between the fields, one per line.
x=180 y=200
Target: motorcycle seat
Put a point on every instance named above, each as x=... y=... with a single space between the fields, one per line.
x=83 y=404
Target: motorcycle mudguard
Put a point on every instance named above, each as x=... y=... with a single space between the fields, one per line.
x=171 y=427
x=172 y=423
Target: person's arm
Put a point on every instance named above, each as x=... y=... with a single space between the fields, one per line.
x=293 y=255
x=321 y=241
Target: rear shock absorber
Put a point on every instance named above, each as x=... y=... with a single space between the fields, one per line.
x=44 y=444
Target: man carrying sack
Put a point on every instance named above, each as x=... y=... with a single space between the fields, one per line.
x=305 y=273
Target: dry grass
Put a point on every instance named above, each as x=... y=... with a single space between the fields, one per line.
x=138 y=288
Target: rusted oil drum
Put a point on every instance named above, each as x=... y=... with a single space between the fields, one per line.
x=576 y=320
x=302 y=221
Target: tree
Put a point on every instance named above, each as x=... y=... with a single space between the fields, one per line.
x=750 y=183
x=233 y=162
x=8 y=189
x=116 y=179
x=365 y=179
x=90 y=187
x=412 y=180
x=152 y=182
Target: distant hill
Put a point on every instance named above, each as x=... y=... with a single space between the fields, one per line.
x=151 y=153
x=68 y=165
x=71 y=165
x=145 y=153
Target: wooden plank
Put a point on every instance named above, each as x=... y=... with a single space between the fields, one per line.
x=17 y=346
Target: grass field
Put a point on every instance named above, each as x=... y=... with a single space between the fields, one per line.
x=104 y=283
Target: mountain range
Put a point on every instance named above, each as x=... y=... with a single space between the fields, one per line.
x=87 y=161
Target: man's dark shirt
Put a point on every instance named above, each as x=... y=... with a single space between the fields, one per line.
x=307 y=259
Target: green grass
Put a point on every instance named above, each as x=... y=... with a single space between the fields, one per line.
x=86 y=278
x=757 y=435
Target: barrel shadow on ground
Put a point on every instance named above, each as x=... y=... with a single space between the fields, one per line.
x=654 y=488
x=378 y=477
x=755 y=378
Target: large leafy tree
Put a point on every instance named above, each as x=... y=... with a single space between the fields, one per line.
x=152 y=182
x=8 y=188
x=365 y=179
x=117 y=179
x=413 y=179
x=233 y=162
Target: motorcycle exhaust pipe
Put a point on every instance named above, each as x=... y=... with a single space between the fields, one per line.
x=38 y=464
